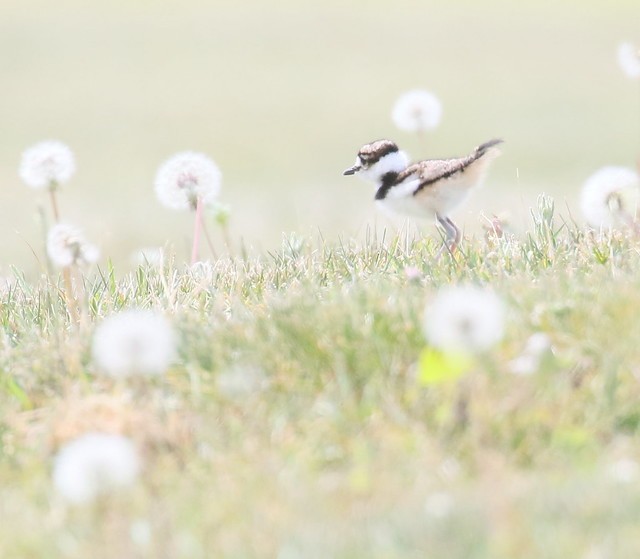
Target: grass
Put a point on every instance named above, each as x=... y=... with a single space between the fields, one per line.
x=331 y=447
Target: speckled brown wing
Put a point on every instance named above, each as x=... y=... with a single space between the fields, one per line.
x=431 y=171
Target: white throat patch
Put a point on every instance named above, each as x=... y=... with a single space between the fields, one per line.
x=394 y=162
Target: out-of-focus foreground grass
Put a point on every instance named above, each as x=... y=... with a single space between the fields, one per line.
x=282 y=94
x=294 y=424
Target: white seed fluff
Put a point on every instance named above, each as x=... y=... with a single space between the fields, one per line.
x=439 y=505
x=417 y=111
x=537 y=344
x=240 y=382
x=629 y=60
x=624 y=470
x=66 y=246
x=609 y=197
x=184 y=178
x=134 y=342
x=47 y=165
x=464 y=319
x=523 y=365
x=95 y=464
x=528 y=362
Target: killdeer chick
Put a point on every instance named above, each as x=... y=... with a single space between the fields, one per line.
x=433 y=187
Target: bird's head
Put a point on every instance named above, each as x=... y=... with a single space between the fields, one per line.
x=377 y=159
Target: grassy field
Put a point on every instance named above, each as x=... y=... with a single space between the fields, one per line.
x=300 y=417
x=294 y=423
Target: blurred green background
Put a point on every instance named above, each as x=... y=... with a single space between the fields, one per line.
x=282 y=94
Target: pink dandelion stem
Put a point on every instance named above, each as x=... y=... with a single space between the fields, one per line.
x=54 y=204
x=196 y=231
x=209 y=241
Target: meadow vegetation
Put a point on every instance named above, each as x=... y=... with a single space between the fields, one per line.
x=355 y=392
x=294 y=422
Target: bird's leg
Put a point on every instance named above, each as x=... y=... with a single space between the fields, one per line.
x=457 y=237
x=453 y=235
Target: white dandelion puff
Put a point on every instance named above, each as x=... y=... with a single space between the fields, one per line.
x=524 y=365
x=537 y=344
x=464 y=319
x=93 y=465
x=186 y=177
x=439 y=505
x=609 y=197
x=528 y=362
x=47 y=164
x=624 y=470
x=240 y=382
x=134 y=342
x=417 y=111
x=629 y=60
x=141 y=533
x=450 y=469
x=66 y=246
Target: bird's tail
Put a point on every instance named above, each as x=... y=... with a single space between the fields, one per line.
x=482 y=149
x=482 y=157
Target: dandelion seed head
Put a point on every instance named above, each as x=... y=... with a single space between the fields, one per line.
x=134 y=342
x=240 y=382
x=537 y=344
x=609 y=197
x=450 y=469
x=95 y=464
x=66 y=246
x=528 y=362
x=624 y=470
x=141 y=533
x=523 y=365
x=184 y=178
x=47 y=164
x=439 y=505
x=596 y=552
x=464 y=319
x=629 y=59
x=417 y=111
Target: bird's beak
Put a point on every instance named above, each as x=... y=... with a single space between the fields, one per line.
x=352 y=170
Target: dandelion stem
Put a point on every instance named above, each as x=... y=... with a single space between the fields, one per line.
x=638 y=160
x=43 y=221
x=70 y=300
x=68 y=296
x=227 y=238
x=209 y=241
x=54 y=203
x=196 y=231
x=422 y=140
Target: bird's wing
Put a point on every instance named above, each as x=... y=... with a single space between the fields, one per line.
x=431 y=171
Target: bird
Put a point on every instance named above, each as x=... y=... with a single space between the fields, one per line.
x=432 y=187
